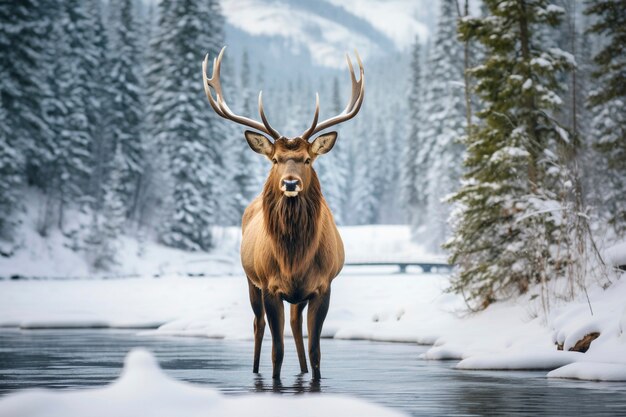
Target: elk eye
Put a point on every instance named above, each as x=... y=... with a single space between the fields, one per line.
x=308 y=161
x=274 y=161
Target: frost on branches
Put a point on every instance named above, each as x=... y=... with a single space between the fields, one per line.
x=509 y=231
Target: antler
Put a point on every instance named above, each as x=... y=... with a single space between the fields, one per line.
x=220 y=106
x=353 y=107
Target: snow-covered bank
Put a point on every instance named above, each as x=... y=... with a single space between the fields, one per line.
x=505 y=336
x=386 y=307
x=143 y=389
x=370 y=304
x=380 y=307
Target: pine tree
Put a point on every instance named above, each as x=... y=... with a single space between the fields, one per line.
x=608 y=124
x=75 y=86
x=444 y=123
x=100 y=104
x=105 y=237
x=412 y=200
x=181 y=121
x=10 y=181
x=507 y=231
x=126 y=107
x=332 y=167
x=24 y=26
x=364 y=197
x=391 y=210
x=248 y=165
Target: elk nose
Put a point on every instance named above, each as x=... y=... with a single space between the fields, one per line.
x=290 y=185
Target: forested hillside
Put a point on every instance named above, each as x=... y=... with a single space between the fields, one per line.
x=498 y=133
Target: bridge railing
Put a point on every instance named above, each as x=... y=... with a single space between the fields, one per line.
x=402 y=265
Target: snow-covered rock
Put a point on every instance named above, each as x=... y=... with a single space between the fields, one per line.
x=144 y=390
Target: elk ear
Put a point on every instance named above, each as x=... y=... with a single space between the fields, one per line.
x=323 y=143
x=259 y=143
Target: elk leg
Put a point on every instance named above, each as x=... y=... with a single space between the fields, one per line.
x=318 y=307
x=296 y=329
x=256 y=300
x=275 y=312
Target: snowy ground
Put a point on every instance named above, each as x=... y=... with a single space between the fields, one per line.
x=53 y=257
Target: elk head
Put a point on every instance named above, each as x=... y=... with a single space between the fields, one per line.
x=292 y=158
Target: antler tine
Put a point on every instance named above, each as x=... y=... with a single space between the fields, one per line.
x=354 y=105
x=307 y=133
x=207 y=84
x=219 y=104
x=270 y=129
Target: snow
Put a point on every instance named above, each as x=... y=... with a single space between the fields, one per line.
x=144 y=389
x=533 y=359
x=616 y=254
x=379 y=14
x=592 y=371
x=512 y=335
x=324 y=38
x=52 y=257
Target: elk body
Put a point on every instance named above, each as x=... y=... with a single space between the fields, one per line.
x=291 y=249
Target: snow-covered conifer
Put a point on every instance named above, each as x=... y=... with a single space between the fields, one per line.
x=183 y=124
x=23 y=44
x=10 y=180
x=607 y=101
x=109 y=225
x=412 y=199
x=332 y=167
x=443 y=124
x=126 y=112
x=507 y=228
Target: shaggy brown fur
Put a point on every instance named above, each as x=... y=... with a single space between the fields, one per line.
x=291 y=250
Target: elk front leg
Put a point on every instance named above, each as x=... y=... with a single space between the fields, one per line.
x=275 y=312
x=318 y=307
x=296 y=329
x=256 y=300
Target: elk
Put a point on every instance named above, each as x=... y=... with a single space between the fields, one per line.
x=291 y=249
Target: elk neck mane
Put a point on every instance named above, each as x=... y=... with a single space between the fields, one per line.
x=293 y=223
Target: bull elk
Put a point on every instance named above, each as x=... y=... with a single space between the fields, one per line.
x=291 y=249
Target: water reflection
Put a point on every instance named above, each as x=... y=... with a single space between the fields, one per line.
x=303 y=383
x=389 y=374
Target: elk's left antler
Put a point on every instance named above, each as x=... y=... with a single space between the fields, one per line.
x=353 y=107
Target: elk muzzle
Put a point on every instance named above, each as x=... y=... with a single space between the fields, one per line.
x=290 y=187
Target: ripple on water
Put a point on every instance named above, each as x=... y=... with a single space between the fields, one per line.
x=386 y=373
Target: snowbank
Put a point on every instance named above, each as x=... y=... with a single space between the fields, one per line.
x=394 y=307
x=143 y=389
x=592 y=371
x=506 y=337
x=140 y=302
x=537 y=359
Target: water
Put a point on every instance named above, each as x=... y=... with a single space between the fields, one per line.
x=385 y=373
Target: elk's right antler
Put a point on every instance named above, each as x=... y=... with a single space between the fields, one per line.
x=353 y=107
x=219 y=104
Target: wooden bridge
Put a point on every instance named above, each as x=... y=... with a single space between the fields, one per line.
x=403 y=265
